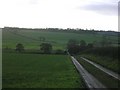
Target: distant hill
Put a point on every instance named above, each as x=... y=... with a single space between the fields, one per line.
x=102 y=32
x=31 y=38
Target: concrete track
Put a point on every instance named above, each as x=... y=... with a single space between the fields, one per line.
x=90 y=80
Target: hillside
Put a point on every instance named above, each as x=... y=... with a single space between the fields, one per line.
x=31 y=38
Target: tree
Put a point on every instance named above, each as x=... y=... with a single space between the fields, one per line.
x=72 y=42
x=59 y=51
x=90 y=45
x=73 y=46
x=19 y=47
x=82 y=45
x=46 y=48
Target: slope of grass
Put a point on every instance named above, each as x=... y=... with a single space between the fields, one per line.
x=107 y=62
x=39 y=71
x=58 y=39
x=107 y=80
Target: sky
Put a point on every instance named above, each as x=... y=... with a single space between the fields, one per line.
x=90 y=14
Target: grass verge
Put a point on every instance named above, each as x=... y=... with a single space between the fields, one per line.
x=110 y=63
x=107 y=80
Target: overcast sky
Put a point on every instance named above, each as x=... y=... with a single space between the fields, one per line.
x=90 y=14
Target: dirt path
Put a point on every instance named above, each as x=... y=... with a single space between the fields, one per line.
x=109 y=72
x=90 y=80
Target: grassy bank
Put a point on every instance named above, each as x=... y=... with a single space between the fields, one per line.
x=107 y=62
x=107 y=80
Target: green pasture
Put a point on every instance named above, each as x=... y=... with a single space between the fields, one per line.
x=39 y=71
x=57 y=39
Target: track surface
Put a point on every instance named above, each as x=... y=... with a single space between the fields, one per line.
x=90 y=80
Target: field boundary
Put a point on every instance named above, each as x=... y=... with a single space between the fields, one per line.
x=107 y=71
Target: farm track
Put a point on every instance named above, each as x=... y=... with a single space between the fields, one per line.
x=109 y=72
x=90 y=80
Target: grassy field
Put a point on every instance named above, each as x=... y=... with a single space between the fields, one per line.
x=107 y=80
x=108 y=62
x=58 y=39
x=23 y=70
x=39 y=71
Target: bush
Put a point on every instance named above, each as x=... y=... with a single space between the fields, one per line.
x=104 y=51
x=59 y=51
x=46 y=48
x=19 y=47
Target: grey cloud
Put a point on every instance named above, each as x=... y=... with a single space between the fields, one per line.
x=103 y=8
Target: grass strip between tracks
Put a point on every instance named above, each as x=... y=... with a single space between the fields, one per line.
x=107 y=80
x=107 y=62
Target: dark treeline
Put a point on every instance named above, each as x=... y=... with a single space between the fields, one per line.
x=103 y=49
x=44 y=48
x=111 y=52
x=77 y=30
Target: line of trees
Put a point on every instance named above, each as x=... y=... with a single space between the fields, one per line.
x=45 y=48
x=72 y=30
x=111 y=52
x=74 y=47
